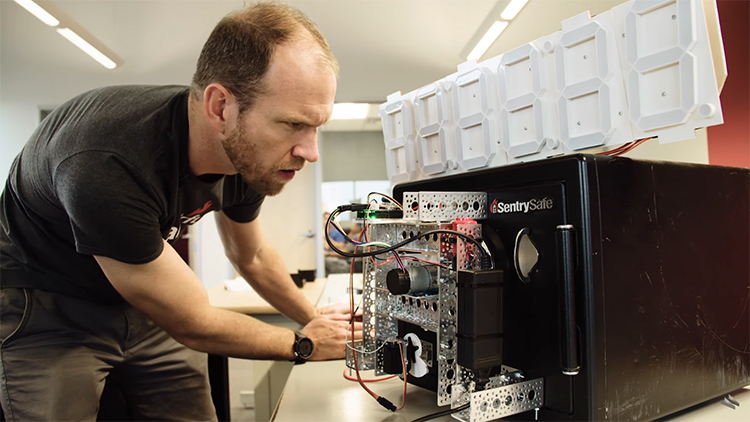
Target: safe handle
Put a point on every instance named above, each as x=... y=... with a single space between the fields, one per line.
x=569 y=362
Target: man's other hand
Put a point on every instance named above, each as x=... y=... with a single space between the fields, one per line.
x=329 y=334
x=340 y=312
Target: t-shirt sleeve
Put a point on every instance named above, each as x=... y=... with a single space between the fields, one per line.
x=246 y=206
x=113 y=209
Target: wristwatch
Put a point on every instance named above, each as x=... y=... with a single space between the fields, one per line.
x=303 y=348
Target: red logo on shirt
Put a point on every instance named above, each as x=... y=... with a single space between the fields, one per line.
x=206 y=206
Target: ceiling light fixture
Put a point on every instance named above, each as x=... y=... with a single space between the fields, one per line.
x=342 y=111
x=87 y=48
x=489 y=37
x=65 y=30
x=513 y=8
x=37 y=11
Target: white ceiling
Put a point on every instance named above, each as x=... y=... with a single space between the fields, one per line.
x=382 y=45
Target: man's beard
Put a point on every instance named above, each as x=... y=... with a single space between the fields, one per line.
x=243 y=154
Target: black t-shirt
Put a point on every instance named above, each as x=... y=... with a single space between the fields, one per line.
x=106 y=174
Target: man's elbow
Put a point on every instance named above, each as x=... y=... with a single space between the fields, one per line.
x=248 y=265
x=192 y=342
x=244 y=260
x=193 y=332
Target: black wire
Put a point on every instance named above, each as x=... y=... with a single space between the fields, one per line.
x=398 y=245
x=354 y=316
x=441 y=413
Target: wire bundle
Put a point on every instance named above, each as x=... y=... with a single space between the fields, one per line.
x=383 y=248
x=355 y=352
x=622 y=149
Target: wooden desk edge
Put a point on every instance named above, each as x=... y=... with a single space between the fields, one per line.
x=250 y=303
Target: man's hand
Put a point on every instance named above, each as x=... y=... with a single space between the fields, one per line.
x=329 y=335
x=339 y=311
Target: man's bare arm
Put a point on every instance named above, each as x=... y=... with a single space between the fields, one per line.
x=258 y=262
x=168 y=291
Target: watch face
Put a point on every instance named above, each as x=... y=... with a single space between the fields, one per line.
x=305 y=348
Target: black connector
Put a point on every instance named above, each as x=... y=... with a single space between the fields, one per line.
x=354 y=207
x=485 y=262
x=392 y=363
x=387 y=404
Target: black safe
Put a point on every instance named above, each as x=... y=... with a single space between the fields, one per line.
x=626 y=282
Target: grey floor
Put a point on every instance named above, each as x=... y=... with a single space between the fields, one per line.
x=240 y=414
x=240 y=379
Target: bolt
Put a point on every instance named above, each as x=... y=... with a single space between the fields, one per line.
x=674 y=17
x=579 y=123
x=620 y=113
x=623 y=35
x=525 y=128
x=663 y=94
x=585 y=57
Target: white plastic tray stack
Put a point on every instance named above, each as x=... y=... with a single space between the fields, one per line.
x=644 y=68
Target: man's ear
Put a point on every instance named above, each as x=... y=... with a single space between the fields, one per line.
x=220 y=107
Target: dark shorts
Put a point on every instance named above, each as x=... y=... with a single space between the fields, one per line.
x=57 y=353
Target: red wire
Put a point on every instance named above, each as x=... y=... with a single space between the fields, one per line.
x=412 y=258
x=403 y=368
x=351 y=318
x=370 y=380
x=632 y=147
x=354 y=350
x=622 y=149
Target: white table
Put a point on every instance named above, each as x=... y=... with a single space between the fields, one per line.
x=318 y=392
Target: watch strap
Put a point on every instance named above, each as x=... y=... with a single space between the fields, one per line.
x=298 y=359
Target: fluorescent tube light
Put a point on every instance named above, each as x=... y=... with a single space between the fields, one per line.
x=343 y=111
x=513 y=8
x=37 y=11
x=87 y=48
x=487 y=40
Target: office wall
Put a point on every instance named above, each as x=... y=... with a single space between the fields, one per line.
x=29 y=82
x=729 y=144
x=352 y=156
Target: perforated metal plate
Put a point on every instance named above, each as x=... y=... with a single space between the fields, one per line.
x=438 y=312
x=499 y=402
x=444 y=206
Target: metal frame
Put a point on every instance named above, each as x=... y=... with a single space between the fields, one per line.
x=426 y=211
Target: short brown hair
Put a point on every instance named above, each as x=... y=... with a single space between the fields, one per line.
x=238 y=52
